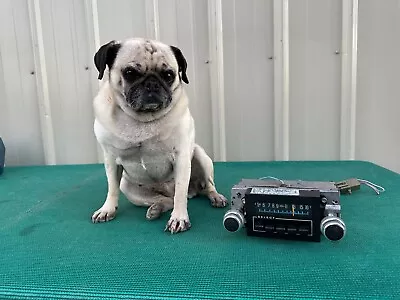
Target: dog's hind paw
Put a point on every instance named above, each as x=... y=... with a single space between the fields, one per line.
x=217 y=200
x=154 y=211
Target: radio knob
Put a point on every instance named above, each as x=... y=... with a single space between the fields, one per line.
x=334 y=232
x=231 y=224
x=333 y=228
x=233 y=220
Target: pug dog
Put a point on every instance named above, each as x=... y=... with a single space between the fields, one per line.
x=147 y=133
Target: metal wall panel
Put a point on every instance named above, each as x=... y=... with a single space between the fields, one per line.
x=19 y=113
x=121 y=19
x=237 y=66
x=248 y=79
x=65 y=40
x=378 y=88
x=314 y=36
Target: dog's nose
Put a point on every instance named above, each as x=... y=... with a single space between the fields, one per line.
x=152 y=85
x=151 y=98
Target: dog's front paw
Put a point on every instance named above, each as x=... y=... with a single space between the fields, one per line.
x=217 y=200
x=104 y=214
x=178 y=222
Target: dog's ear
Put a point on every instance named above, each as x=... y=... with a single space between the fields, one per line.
x=105 y=56
x=182 y=64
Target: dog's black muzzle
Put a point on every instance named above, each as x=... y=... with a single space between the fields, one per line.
x=148 y=96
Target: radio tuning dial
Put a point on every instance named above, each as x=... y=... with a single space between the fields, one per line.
x=233 y=221
x=334 y=232
x=333 y=228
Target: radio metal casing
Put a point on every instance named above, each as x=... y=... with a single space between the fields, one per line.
x=290 y=209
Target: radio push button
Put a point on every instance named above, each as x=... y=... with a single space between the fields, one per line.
x=304 y=230
x=280 y=228
x=291 y=229
x=269 y=228
x=259 y=225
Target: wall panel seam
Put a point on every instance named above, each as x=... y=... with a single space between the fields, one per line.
x=46 y=122
x=349 y=79
x=152 y=19
x=281 y=79
x=93 y=27
x=217 y=78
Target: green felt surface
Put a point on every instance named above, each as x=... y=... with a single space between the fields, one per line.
x=50 y=249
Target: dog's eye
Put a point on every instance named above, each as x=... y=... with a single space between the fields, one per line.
x=130 y=74
x=168 y=76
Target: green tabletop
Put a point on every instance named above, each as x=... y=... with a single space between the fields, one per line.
x=50 y=248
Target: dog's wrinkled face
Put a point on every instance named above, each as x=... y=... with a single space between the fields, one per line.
x=145 y=73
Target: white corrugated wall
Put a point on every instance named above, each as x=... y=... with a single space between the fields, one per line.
x=269 y=79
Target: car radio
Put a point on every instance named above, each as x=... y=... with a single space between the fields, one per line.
x=299 y=210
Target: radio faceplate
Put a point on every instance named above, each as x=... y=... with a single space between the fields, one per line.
x=293 y=209
x=284 y=216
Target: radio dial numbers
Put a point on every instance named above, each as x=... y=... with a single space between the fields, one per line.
x=283 y=208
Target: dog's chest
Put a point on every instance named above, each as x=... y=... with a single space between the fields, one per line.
x=149 y=160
